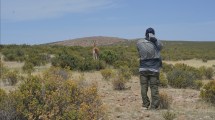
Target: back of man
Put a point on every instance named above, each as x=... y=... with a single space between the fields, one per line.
x=150 y=63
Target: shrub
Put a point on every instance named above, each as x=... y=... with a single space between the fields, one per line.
x=197 y=84
x=109 y=56
x=180 y=78
x=100 y=64
x=119 y=82
x=208 y=92
x=120 y=63
x=167 y=67
x=204 y=60
x=107 y=74
x=1 y=69
x=206 y=72
x=122 y=77
x=64 y=60
x=169 y=115
x=165 y=100
x=209 y=73
x=202 y=71
x=2 y=95
x=192 y=71
x=125 y=72
x=163 y=80
x=28 y=67
x=48 y=98
x=58 y=73
x=89 y=64
x=7 y=107
x=10 y=77
x=183 y=76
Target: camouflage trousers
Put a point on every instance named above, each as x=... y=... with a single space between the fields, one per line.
x=149 y=79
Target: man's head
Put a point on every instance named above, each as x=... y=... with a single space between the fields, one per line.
x=150 y=35
x=149 y=30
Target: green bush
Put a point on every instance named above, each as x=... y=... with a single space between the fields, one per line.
x=122 y=77
x=109 y=56
x=2 y=95
x=209 y=73
x=183 y=76
x=89 y=64
x=58 y=73
x=66 y=60
x=202 y=71
x=208 y=92
x=7 y=107
x=192 y=70
x=28 y=67
x=2 y=69
x=167 y=67
x=10 y=77
x=206 y=72
x=51 y=97
x=180 y=78
x=204 y=60
x=197 y=84
x=119 y=82
x=169 y=115
x=107 y=74
x=163 y=80
x=125 y=72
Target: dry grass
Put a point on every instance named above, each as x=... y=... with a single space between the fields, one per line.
x=14 y=65
x=126 y=105
x=194 y=62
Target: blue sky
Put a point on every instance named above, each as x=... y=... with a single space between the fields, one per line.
x=43 y=21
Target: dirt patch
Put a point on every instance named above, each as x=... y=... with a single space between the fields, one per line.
x=126 y=104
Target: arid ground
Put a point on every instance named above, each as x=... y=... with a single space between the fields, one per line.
x=126 y=104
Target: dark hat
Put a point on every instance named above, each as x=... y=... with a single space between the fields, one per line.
x=149 y=30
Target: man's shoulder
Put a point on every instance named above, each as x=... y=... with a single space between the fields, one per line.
x=142 y=40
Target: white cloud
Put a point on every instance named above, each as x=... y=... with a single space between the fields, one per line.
x=21 y=10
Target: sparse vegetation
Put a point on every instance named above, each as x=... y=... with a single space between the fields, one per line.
x=107 y=74
x=165 y=100
x=53 y=97
x=198 y=84
x=163 y=80
x=206 y=72
x=180 y=79
x=169 y=115
x=183 y=76
x=10 y=77
x=109 y=57
x=28 y=67
x=119 y=82
x=208 y=92
x=122 y=77
x=209 y=72
x=56 y=96
x=7 y=106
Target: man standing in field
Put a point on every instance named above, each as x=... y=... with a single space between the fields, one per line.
x=150 y=63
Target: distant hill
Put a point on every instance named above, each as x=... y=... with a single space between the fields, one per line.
x=88 y=41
